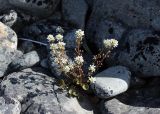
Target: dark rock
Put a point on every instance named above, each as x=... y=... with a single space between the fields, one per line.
x=105 y=29
x=141 y=53
x=44 y=63
x=122 y=16
x=36 y=7
x=4 y=5
x=26 y=46
x=75 y=12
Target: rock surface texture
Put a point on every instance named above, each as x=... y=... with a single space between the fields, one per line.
x=41 y=8
x=75 y=12
x=138 y=101
x=8 y=47
x=141 y=52
x=25 y=61
x=26 y=88
x=9 y=105
x=38 y=93
x=111 y=82
x=120 y=20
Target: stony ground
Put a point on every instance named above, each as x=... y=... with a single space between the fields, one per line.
x=127 y=84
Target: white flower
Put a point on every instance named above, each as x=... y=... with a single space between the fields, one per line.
x=71 y=66
x=59 y=37
x=53 y=47
x=50 y=38
x=64 y=60
x=66 y=69
x=61 y=45
x=79 y=34
x=56 y=60
x=110 y=43
x=79 y=60
x=91 y=79
x=92 y=68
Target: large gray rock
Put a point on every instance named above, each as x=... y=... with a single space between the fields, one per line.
x=138 y=101
x=141 y=52
x=9 y=105
x=38 y=93
x=8 y=52
x=111 y=82
x=36 y=7
x=75 y=12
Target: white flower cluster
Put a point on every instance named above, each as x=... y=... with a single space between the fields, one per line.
x=92 y=68
x=50 y=38
x=110 y=43
x=79 y=34
x=92 y=79
x=59 y=37
x=66 y=65
x=56 y=42
x=79 y=60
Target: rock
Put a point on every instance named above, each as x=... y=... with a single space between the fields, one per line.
x=155 y=23
x=138 y=101
x=27 y=84
x=36 y=7
x=4 y=5
x=8 y=47
x=44 y=63
x=39 y=94
x=26 y=46
x=116 y=107
x=137 y=82
x=142 y=50
x=111 y=82
x=131 y=13
x=124 y=14
x=64 y=105
x=8 y=37
x=25 y=61
x=9 y=18
x=54 y=67
x=9 y=105
x=75 y=12
x=6 y=57
x=39 y=31
x=70 y=40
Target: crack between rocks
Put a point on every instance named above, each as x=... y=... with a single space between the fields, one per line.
x=59 y=104
x=28 y=108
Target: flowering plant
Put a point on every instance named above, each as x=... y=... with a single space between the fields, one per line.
x=73 y=69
